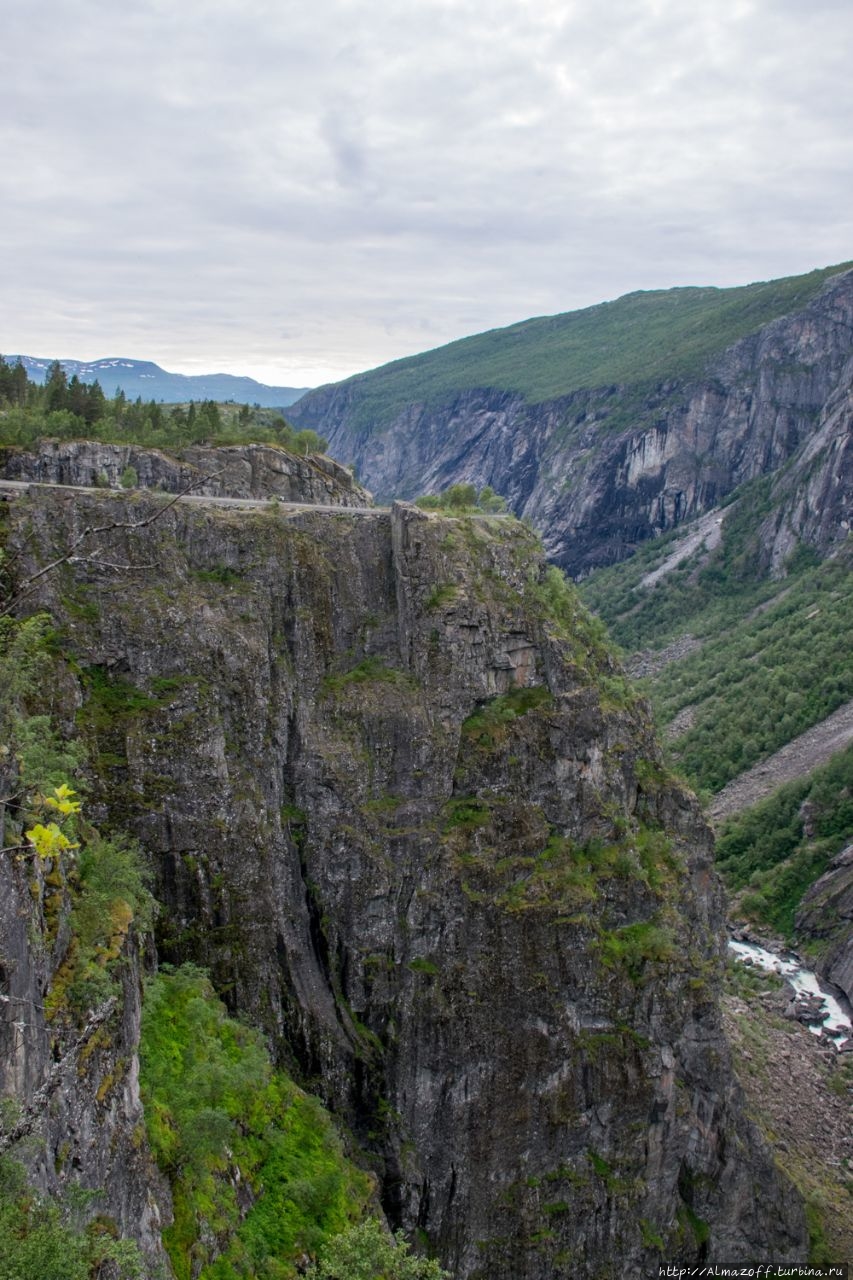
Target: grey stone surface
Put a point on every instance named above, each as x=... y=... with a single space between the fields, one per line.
x=542 y=1093
x=233 y=471
x=596 y=490
x=826 y=914
x=89 y=1130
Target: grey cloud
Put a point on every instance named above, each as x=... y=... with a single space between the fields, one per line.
x=191 y=182
x=339 y=129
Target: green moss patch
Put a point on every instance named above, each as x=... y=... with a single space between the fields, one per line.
x=371 y=670
x=487 y=727
x=633 y=947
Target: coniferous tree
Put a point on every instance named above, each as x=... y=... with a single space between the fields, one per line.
x=77 y=397
x=211 y=418
x=96 y=404
x=20 y=384
x=56 y=388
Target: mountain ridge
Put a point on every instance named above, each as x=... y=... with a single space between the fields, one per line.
x=594 y=354
x=599 y=470
x=152 y=382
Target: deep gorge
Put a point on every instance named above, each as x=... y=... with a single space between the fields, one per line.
x=401 y=803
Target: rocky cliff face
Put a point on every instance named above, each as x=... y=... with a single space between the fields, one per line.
x=401 y=802
x=76 y=1090
x=602 y=469
x=825 y=915
x=812 y=499
x=232 y=471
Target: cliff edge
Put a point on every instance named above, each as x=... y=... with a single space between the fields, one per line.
x=403 y=804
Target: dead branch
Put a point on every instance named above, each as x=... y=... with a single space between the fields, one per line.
x=108 y=564
x=40 y=1099
x=33 y=1004
x=101 y=531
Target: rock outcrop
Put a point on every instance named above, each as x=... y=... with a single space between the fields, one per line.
x=76 y=1095
x=812 y=500
x=826 y=915
x=601 y=469
x=231 y=471
x=401 y=802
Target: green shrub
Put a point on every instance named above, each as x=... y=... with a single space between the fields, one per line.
x=367 y=1252
x=559 y=600
x=110 y=891
x=42 y=758
x=219 y=1116
x=308 y=441
x=440 y=596
x=467 y=813
x=39 y=1241
x=104 y=881
x=633 y=946
x=370 y=670
x=486 y=727
x=461 y=499
x=567 y=874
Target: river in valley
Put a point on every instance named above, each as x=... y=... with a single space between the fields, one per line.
x=834 y=1020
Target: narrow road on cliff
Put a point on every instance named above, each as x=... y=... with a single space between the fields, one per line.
x=248 y=504
x=11 y=488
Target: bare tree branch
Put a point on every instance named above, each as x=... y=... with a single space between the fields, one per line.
x=40 y=1099
x=8 y=561
x=108 y=564
x=33 y=1004
x=101 y=531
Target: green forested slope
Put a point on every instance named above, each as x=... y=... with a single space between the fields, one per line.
x=766 y=659
x=775 y=655
x=766 y=851
x=220 y=1118
x=637 y=339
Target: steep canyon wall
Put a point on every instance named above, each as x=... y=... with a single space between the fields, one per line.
x=600 y=469
x=400 y=800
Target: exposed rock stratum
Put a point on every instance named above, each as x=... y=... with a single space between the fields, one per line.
x=601 y=468
x=402 y=803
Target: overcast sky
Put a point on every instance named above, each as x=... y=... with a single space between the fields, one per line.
x=299 y=191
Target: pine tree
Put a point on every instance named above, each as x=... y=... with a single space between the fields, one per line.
x=77 y=397
x=20 y=385
x=56 y=388
x=96 y=404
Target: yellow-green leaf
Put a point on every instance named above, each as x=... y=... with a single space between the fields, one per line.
x=49 y=841
x=61 y=800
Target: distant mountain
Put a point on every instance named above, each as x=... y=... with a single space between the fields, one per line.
x=142 y=378
x=610 y=425
x=688 y=455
